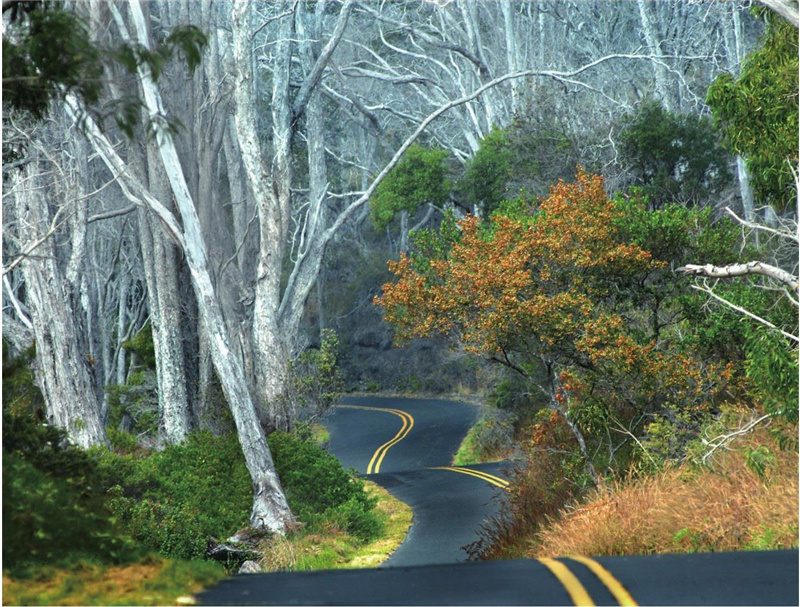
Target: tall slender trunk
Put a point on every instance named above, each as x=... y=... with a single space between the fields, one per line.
x=63 y=365
x=270 y=509
x=659 y=68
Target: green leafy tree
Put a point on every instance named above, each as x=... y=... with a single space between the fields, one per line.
x=758 y=113
x=484 y=181
x=673 y=157
x=527 y=156
x=418 y=179
x=48 y=53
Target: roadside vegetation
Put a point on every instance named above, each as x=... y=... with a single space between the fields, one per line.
x=131 y=525
x=649 y=411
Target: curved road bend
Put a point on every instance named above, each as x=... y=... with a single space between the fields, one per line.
x=407 y=445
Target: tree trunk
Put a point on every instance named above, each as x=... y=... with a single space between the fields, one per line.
x=173 y=398
x=63 y=362
x=659 y=69
x=563 y=411
x=270 y=509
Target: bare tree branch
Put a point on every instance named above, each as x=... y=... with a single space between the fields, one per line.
x=757 y=226
x=314 y=76
x=112 y=214
x=742 y=269
x=785 y=8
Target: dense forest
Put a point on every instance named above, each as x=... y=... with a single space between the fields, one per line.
x=219 y=216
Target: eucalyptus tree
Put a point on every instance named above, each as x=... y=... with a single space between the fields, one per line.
x=45 y=232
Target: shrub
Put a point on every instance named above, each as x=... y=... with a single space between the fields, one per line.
x=314 y=382
x=54 y=506
x=687 y=509
x=174 y=500
x=550 y=477
x=319 y=489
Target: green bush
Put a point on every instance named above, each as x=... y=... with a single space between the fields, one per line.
x=174 y=500
x=54 y=506
x=50 y=520
x=318 y=488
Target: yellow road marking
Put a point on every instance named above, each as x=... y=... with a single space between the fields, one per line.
x=572 y=584
x=613 y=584
x=374 y=465
x=485 y=476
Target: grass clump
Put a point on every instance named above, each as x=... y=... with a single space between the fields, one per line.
x=483 y=443
x=153 y=581
x=331 y=547
x=735 y=505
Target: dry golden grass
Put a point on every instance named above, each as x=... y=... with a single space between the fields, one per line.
x=686 y=510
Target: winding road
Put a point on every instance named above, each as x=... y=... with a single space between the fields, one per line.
x=406 y=445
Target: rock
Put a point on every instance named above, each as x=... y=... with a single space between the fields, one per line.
x=230 y=550
x=250 y=567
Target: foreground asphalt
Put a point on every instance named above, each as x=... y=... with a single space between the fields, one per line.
x=406 y=445
x=740 y=578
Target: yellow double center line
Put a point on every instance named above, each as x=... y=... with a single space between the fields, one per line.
x=377 y=458
x=577 y=591
x=489 y=478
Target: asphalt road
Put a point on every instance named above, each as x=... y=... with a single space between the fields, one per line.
x=740 y=578
x=406 y=445
x=449 y=505
x=438 y=428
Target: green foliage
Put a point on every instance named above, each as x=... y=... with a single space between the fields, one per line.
x=533 y=152
x=174 y=500
x=133 y=406
x=772 y=369
x=54 y=505
x=20 y=392
x=314 y=382
x=674 y=157
x=48 y=53
x=418 y=178
x=45 y=50
x=758 y=112
x=758 y=459
x=121 y=441
x=49 y=520
x=484 y=181
x=319 y=490
x=669 y=437
x=674 y=233
x=142 y=346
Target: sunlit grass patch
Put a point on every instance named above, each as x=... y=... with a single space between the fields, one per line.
x=154 y=581
x=332 y=548
x=473 y=451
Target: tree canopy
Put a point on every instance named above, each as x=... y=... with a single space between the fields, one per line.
x=758 y=113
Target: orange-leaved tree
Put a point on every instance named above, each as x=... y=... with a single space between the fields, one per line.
x=545 y=289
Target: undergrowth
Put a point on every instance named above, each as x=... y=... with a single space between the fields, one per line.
x=332 y=547
x=742 y=503
x=76 y=520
